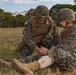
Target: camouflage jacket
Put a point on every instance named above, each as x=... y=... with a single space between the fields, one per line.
x=64 y=54
x=69 y=41
x=27 y=34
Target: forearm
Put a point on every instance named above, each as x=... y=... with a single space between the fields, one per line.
x=28 y=36
x=31 y=44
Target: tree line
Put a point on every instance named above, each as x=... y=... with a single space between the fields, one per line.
x=8 y=20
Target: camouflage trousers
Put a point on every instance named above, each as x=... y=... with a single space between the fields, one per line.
x=46 y=42
x=25 y=55
x=25 y=51
x=63 y=59
x=31 y=58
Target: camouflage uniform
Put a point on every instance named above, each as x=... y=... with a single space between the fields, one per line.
x=64 y=54
x=29 y=14
x=35 y=34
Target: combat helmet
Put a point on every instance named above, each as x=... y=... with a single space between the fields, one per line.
x=29 y=13
x=41 y=10
x=66 y=13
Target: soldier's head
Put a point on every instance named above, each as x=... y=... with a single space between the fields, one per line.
x=66 y=15
x=29 y=13
x=42 y=13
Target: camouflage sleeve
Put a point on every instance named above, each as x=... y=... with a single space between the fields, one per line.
x=52 y=37
x=54 y=30
x=60 y=51
x=53 y=27
x=71 y=40
x=54 y=33
x=28 y=36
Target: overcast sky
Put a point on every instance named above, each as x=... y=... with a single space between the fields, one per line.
x=24 y=5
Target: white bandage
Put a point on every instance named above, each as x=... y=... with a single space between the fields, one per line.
x=44 y=61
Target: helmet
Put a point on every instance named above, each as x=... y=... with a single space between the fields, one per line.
x=29 y=13
x=41 y=10
x=67 y=14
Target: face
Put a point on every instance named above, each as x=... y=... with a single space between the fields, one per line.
x=63 y=22
x=42 y=19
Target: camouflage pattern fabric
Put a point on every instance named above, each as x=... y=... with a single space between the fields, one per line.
x=29 y=14
x=26 y=51
x=35 y=32
x=29 y=48
x=52 y=38
x=47 y=42
x=30 y=58
x=69 y=15
x=64 y=54
x=41 y=10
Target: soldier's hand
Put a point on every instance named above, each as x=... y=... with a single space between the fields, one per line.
x=43 y=50
x=37 y=49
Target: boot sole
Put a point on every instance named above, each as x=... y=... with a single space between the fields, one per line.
x=4 y=64
x=19 y=67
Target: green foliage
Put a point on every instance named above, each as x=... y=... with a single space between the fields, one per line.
x=1 y=11
x=19 y=20
x=8 y=20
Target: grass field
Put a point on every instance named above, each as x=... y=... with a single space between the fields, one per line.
x=9 y=39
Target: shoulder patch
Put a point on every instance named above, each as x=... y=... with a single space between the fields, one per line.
x=26 y=23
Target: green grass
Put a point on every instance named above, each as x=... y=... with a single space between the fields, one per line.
x=9 y=39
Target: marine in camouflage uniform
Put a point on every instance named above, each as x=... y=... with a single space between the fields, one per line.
x=36 y=34
x=29 y=14
x=63 y=55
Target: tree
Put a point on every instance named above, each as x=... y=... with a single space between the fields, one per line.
x=19 y=20
x=8 y=20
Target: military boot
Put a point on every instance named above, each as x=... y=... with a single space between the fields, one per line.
x=4 y=64
x=25 y=68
